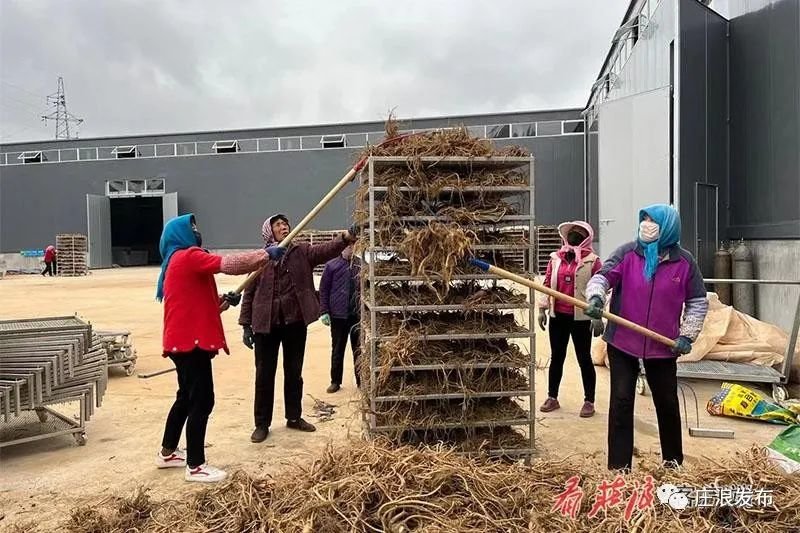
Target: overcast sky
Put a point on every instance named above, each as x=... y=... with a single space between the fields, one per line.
x=165 y=66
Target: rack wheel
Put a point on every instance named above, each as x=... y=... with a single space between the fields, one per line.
x=129 y=370
x=641 y=386
x=80 y=438
x=779 y=393
x=41 y=414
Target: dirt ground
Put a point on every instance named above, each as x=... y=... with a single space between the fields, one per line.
x=40 y=481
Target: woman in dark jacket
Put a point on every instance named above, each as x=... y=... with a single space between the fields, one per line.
x=276 y=310
x=339 y=302
x=658 y=285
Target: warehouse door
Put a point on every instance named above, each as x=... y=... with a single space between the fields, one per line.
x=98 y=225
x=633 y=163
x=169 y=206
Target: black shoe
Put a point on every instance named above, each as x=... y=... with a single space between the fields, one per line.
x=259 y=435
x=334 y=387
x=301 y=425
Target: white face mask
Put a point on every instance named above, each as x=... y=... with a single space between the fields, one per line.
x=649 y=231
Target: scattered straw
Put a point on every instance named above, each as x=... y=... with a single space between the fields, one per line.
x=371 y=487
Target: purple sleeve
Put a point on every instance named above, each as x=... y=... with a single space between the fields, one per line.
x=610 y=274
x=319 y=254
x=695 y=308
x=325 y=290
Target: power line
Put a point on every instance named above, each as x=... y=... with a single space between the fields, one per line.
x=59 y=113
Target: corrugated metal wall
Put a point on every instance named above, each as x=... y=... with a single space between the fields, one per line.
x=765 y=119
x=232 y=194
x=703 y=135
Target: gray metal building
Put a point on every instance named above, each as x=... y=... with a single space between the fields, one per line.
x=120 y=190
x=703 y=111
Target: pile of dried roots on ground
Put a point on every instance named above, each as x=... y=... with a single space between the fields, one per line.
x=440 y=369
x=373 y=487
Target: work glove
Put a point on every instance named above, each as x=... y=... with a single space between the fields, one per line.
x=598 y=328
x=275 y=252
x=232 y=298
x=353 y=231
x=595 y=309
x=683 y=345
x=543 y=318
x=325 y=319
x=247 y=336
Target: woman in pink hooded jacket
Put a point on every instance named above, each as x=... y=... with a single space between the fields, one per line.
x=569 y=271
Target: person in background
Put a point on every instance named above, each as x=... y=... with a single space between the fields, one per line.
x=276 y=311
x=569 y=271
x=658 y=285
x=193 y=335
x=50 y=261
x=339 y=295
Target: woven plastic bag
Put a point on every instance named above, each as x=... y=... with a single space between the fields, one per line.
x=784 y=450
x=739 y=401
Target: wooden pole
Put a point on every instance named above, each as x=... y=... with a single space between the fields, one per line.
x=486 y=267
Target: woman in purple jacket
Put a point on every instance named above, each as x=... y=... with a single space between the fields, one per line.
x=657 y=284
x=339 y=303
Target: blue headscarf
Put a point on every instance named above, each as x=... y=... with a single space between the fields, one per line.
x=669 y=222
x=177 y=235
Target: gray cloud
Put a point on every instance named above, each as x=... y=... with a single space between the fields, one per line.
x=159 y=66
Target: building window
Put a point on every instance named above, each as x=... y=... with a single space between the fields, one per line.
x=87 y=153
x=116 y=187
x=268 y=145
x=135 y=186
x=225 y=147
x=527 y=129
x=125 y=152
x=68 y=154
x=248 y=145
x=500 y=131
x=355 y=139
x=548 y=128
x=573 y=126
x=165 y=150
x=477 y=131
x=291 y=143
x=333 y=141
x=156 y=185
x=31 y=157
x=185 y=148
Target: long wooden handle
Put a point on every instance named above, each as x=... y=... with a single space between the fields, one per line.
x=486 y=267
x=317 y=208
x=303 y=223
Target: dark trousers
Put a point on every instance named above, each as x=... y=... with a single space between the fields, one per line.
x=561 y=328
x=663 y=381
x=193 y=403
x=293 y=339
x=341 y=329
x=50 y=268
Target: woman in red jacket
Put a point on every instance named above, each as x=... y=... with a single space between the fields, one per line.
x=193 y=335
x=50 y=254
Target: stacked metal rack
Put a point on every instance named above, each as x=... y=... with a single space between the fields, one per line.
x=72 y=250
x=47 y=363
x=470 y=386
x=121 y=353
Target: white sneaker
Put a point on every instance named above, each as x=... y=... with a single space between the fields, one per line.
x=174 y=460
x=205 y=474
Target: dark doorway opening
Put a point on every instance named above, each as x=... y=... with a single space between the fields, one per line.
x=136 y=225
